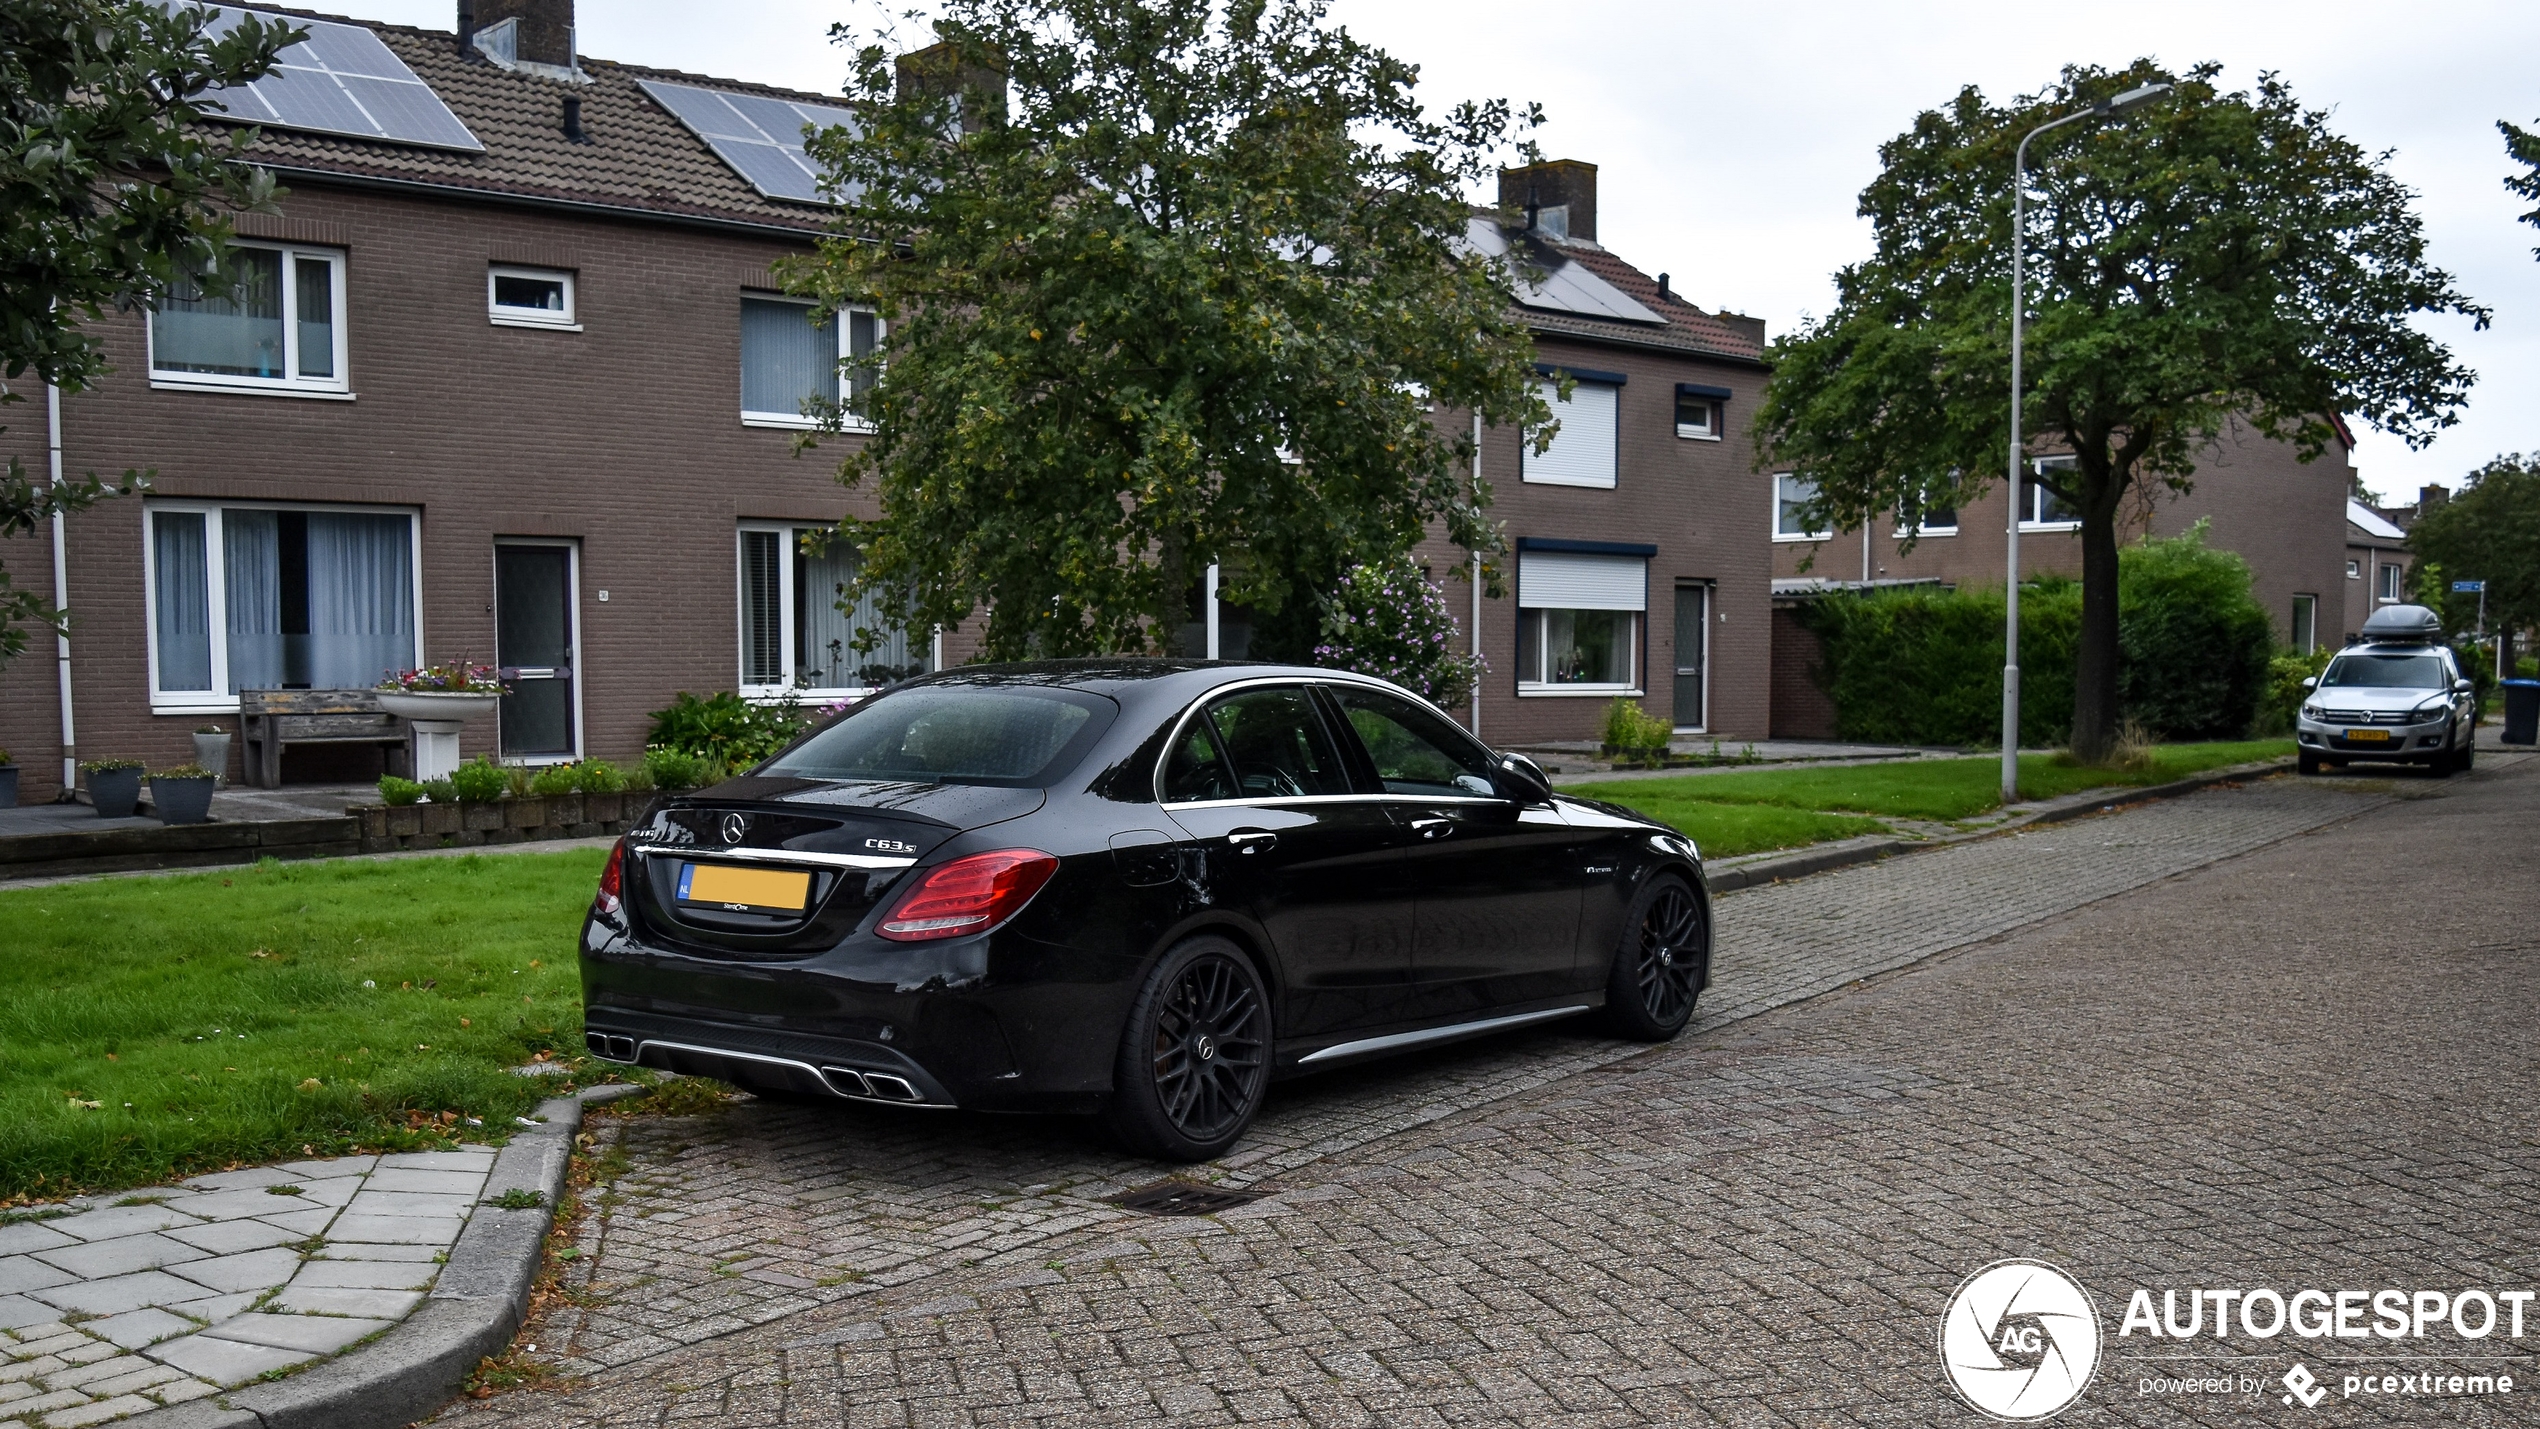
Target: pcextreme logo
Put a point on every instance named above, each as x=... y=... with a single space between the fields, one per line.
x=2020 y=1340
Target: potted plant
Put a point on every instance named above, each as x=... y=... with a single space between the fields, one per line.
x=182 y=795
x=8 y=781
x=114 y=786
x=211 y=751
x=436 y=700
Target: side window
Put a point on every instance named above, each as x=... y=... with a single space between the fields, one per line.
x=1196 y=771
x=1277 y=745
x=1414 y=751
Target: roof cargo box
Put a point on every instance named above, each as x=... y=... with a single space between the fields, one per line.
x=2403 y=625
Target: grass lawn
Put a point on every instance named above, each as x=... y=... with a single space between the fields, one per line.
x=156 y=1027
x=1727 y=830
x=1924 y=788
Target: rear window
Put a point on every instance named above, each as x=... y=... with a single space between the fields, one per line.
x=2385 y=672
x=1008 y=736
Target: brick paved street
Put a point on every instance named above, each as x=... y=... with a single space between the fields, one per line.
x=2160 y=1070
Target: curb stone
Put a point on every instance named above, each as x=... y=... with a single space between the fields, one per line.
x=1776 y=868
x=474 y=1307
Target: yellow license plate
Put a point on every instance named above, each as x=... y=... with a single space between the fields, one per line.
x=756 y=890
x=2367 y=736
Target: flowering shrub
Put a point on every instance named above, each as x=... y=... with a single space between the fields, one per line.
x=453 y=678
x=1388 y=621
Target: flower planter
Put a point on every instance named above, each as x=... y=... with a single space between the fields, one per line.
x=403 y=821
x=186 y=800
x=211 y=751
x=115 y=792
x=524 y=813
x=604 y=808
x=565 y=810
x=439 y=820
x=480 y=818
x=8 y=786
x=435 y=721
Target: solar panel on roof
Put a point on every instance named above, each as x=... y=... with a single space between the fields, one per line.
x=760 y=136
x=1562 y=285
x=342 y=80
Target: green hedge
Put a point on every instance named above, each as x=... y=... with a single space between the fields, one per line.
x=1922 y=665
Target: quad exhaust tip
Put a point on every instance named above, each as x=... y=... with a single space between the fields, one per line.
x=615 y=1049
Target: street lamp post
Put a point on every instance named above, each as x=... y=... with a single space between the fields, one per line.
x=2126 y=103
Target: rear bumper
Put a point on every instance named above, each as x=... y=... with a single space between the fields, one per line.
x=987 y=1024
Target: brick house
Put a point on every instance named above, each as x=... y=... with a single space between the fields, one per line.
x=2377 y=564
x=509 y=381
x=1634 y=567
x=2285 y=517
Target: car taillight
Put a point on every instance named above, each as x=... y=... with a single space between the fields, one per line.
x=612 y=878
x=968 y=895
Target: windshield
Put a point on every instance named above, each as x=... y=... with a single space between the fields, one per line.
x=2385 y=672
x=955 y=734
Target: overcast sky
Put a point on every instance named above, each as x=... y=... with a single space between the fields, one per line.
x=1732 y=141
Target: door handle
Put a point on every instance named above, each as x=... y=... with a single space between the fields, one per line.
x=1433 y=828
x=1252 y=840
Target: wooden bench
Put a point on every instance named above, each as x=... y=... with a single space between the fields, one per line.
x=271 y=720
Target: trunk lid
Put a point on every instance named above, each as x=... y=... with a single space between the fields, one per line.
x=771 y=869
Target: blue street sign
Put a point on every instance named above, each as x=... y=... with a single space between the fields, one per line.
x=2470 y=587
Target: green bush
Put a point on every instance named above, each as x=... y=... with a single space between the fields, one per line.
x=2283 y=698
x=1630 y=728
x=725 y=728
x=551 y=780
x=1923 y=665
x=2193 y=645
x=397 y=792
x=678 y=769
x=441 y=791
x=598 y=776
x=480 y=781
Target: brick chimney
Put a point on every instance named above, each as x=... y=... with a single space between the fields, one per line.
x=1561 y=193
x=940 y=69
x=2431 y=497
x=543 y=34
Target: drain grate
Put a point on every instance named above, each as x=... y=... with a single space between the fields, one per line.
x=1184 y=1198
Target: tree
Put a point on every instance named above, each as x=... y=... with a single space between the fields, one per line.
x=2523 y=146
x=2216 y=257
x=2490 y=531
x=1180 y=288
x=111 y=190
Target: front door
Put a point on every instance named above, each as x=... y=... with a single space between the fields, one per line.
x=534 y=627
x=1693 y=644
x=1273 y=824
x=1496 y=884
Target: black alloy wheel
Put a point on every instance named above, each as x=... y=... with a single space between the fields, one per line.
x=1663 y=963
x=1195 y=1058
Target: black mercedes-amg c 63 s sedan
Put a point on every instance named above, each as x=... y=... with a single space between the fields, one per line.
x=1139 y=888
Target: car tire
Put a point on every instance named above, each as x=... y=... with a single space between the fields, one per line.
x=1662 y=963
x=2469 y=754
x=2306 y=761
x=1194 y=1060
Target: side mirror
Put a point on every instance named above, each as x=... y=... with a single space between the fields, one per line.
x=2462 y=687
x=1523 y=780
x=2310 y=682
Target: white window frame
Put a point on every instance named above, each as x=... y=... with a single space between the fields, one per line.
x=1925 y=532
x=1531 y=645
x=2354 y=570
x=1718 y=418
x=790 y=535
x=2033 y=494
x=338 y=388
x=838 y=328
x=2306 y=606
x=1779 y=534
x=216 y=700
x=570 y=320
x=2386 y=585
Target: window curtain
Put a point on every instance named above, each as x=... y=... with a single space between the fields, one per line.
x=762 y=648
x=785 y=361
x=251 y=565
x=361 y=598
x=183 y=604
x=825 y=656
